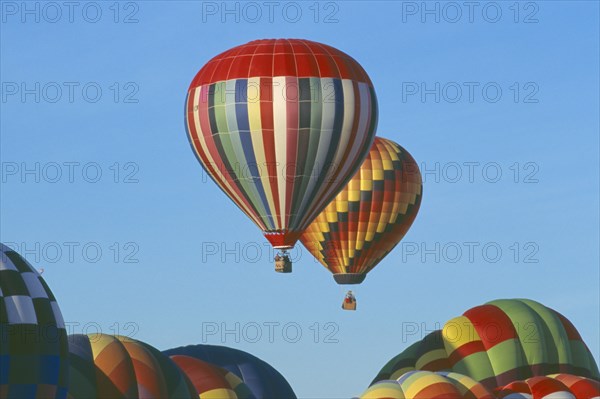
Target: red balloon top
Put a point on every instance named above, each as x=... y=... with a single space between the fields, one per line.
x=280 y=57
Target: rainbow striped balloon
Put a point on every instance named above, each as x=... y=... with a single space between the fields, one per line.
x=281 y=126
x=428 y=385
x=500 y=342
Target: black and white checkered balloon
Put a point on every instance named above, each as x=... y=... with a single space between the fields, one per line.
x=33 y=339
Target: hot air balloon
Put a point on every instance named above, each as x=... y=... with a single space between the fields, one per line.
x=582 y=388
x=34 y=352
x=428 y=385
x=112 y=366
x=212 y=382
x=550 y=387
x=262 y=379
x=281 y=125
x=500 y=342
x=369 y=216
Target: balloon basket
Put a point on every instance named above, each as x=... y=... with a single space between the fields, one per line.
x=349 y=302
x=283 y=264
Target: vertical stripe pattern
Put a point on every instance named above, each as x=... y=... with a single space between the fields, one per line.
x=281 y=126
x=428 y=385
x=112 y=366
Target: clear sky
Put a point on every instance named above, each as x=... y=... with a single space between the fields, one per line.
x=510 y=147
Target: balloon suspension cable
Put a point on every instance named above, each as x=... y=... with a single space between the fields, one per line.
x=283 y=264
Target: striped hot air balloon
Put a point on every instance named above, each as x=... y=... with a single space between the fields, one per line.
x=498 y=343
x=563 y=386
x=260 y=377
x=428 y=385
x=281 y=126
x=107 y=366
x=34 y=352
x=582 y=388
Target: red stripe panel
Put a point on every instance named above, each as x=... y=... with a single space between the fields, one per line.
x=487 y=318
x=464 y=351
x=572 y=332
x=267 y=125
x=542 y=386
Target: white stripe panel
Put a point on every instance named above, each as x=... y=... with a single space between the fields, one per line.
x=559 y=395
x=516 y=395
x=280 y=132
x=20 y=310
x=34 y=286
x=5 y=262
x=221 y=180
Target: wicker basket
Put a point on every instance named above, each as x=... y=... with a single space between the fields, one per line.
x=283 y=265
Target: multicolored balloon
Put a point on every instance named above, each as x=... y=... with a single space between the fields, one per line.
x=370 y=216
x=498 y=343
x=563 y=386
x=281 y=125
x=112 y=366
x=583 y=388
x=262 y=379
x=428 y=385
x=34 y=352
x=212 y=382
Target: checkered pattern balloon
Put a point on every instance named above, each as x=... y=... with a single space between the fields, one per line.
x=370 y=216
x=33 y=339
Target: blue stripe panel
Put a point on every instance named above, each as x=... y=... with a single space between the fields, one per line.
x=243 y=123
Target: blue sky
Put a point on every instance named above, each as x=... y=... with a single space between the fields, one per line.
x=201 y=265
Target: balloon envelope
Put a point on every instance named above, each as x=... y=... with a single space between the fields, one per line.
x=262 y=379
x=107 y=366
x=500 y=342
x=281 y=125
x=212 y=382
x=428 y=385
x=368 y=218
x=562 y=386
x=33 y=341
